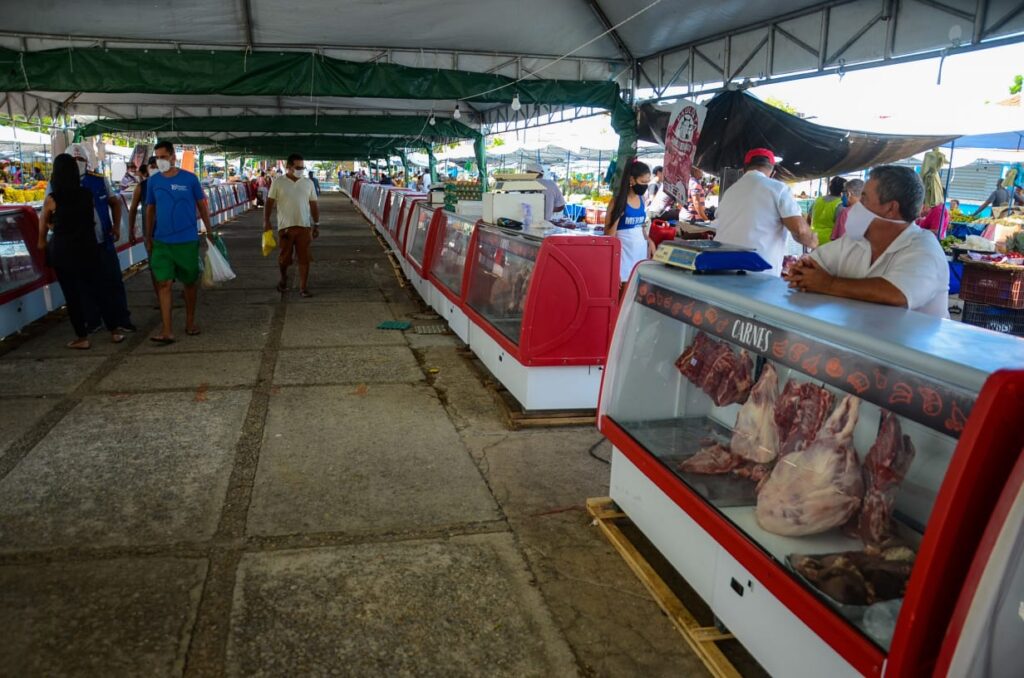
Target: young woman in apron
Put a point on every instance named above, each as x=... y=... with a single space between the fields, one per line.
x=627 y=218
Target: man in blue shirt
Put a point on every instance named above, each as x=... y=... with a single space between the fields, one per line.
x=172 y=198
x=107 y=209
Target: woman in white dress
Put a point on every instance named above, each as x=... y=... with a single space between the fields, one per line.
x=627 y=218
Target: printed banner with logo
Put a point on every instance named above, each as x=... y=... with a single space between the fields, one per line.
x=681 y=138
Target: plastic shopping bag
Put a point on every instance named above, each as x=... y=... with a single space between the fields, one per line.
x=219 y=242
x=268 y=242
x=217 y=269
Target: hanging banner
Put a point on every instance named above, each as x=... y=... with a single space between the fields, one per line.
x=681 y=139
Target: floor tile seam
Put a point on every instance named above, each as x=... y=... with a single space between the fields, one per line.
x=517 y=543
x=18 y=449
x=206 y=653
x=251 y=544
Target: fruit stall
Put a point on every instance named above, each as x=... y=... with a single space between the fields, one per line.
x=819 y=467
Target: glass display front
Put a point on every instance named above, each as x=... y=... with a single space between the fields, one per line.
x=420 y=226
x=396 y=207
x=450 y=250
x=826 y=458
x=501 y=278
x=17 y=268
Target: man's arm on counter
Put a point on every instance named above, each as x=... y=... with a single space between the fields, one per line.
x=809 y=276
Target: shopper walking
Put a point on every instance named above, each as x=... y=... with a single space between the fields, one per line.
x=73 y=253
x=108 y=232
x=298 y=221
x=627 y=217
x=139 y=200
x=172 y=197
x=316 y=182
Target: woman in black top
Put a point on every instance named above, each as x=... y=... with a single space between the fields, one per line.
x=73 y=252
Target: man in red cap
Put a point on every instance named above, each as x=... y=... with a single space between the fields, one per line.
x=757 y=211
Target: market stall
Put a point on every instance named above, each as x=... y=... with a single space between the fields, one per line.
x=819 y=467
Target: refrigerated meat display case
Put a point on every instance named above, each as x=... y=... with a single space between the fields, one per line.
x=405 y=226
x=448 y=271
x=28 y=288
x=541 y=307
x=401 y=211
x=820 y=471
x=419 y=246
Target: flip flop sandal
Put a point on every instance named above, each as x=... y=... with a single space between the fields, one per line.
x=80 y=346
x=306 y=294
x=163 y=341
x=117 y=338
x=194 y=332
x=282 y=287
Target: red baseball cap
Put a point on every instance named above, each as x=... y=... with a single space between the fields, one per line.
x=760 y=153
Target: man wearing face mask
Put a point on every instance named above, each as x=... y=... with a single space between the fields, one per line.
x=107 y=210
x=757 y=211
x=294 y=196
x=884 y=258
x=173 y=196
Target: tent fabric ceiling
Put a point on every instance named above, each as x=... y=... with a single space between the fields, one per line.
x=530 y=27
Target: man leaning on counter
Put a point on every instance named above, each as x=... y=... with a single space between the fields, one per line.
x=884 y=257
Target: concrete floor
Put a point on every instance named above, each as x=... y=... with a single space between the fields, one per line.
x=297 y=493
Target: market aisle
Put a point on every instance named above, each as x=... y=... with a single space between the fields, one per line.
x=295 y=491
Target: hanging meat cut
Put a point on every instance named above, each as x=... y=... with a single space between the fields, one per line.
x=756 y=436
x=885 y=467
x=799 y=413
x=819 y=487
x=717 y=370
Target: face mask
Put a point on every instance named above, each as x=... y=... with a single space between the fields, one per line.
x=298 y=170
x=82 y=165
x=639 y=189
x=859 y=218
x=163 y=165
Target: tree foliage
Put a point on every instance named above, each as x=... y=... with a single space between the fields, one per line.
x=781 y=105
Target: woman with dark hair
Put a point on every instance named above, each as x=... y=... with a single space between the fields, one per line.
x=627 y=217
x=824 y=210
x=73 y=253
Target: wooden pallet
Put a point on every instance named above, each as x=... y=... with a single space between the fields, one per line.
x=701 y=639
x=516 y=417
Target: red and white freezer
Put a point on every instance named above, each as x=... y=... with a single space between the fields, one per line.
x=541 y=309
x=956 y=393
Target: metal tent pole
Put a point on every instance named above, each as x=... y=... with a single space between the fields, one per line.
x=949 y=177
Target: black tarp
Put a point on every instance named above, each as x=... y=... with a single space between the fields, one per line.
x=737 y=122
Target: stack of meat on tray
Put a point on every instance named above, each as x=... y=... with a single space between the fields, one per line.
x=797 y=446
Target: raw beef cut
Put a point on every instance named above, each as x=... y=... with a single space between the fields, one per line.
x=856 y=578
x=717 y=370
x=712 y=459
x=799 y=413
x=819 y=487
x=885 y=467
x=756 y=437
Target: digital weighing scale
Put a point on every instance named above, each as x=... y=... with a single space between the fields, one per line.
x=705 y=256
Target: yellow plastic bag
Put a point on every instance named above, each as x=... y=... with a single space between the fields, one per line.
x=269 y=243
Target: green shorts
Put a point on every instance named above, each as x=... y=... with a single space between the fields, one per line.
x=175 y=261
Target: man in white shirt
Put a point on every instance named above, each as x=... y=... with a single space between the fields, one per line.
x=554 y=201
x=294 y=196
x=884 y=257
x=757 y=211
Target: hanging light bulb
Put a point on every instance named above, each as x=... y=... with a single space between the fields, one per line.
x=432 y=120
x=457 y=114
x=516 y=104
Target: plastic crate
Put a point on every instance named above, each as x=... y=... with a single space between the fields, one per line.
x=995 y=318
x=993 y=285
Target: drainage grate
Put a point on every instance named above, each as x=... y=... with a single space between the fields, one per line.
x=431 y=329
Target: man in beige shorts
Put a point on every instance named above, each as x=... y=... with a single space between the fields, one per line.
x=298 y=220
